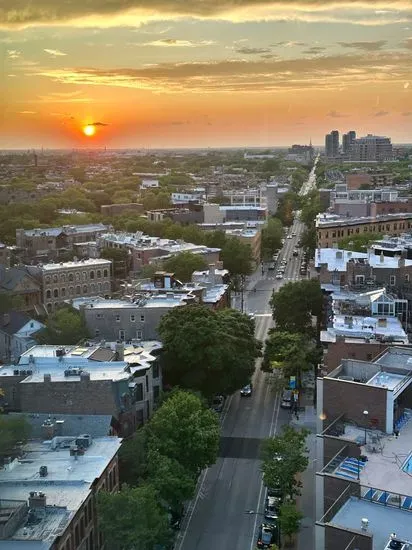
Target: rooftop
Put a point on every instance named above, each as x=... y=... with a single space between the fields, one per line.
x=145 y=242
x=365 y=327
x=331 y=220
x=336 y=260
x=382 y=521
x=72 y=229
x=77 y=264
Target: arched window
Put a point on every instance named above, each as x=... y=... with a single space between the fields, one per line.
x=92 y=287
x=55 y=279
x=106 y=285
x=71 y=291
x=48 y=279
x=84 y=289
x=56 y=293
x=105 y=273
x=84 y=276
x=99 y=274
x=63 y=278
x=48 y=294
x=63 y=292
x=78 y=290
x=71 y=277
x=49 y=307
x=77 y=276
x=92 y=274
x=100 y=287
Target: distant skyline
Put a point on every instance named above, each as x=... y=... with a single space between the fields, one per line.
x=211 y=73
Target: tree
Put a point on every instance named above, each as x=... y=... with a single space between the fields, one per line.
x=295 y=303
x=283 y=457
x=184 y=264
x=133 y=458
x=237 y=257
x=308 y=239
x=9 y=302
x=185 y=431
x=65 y=326
x=272 y=234
x=359 y=243
x=13 y=430
x=289 y=519
x=133 y=519
x=206 y=350
x=287 y=204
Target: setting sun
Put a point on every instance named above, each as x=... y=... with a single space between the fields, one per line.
x=89 y=130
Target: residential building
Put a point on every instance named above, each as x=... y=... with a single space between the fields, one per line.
x=77 y=278
x=94 y=379
x=363 y=482
x=272 y=191
x=250 y=236
x=17 y=334
x=185 y=198
x=119 y=209
x=4 y=255
x=19 y=282
x=243 y=213
x=49 y=499
x=371 y=149
x=332 y=144
x=331 y=229
x=52 y=242
x=184 y=214
x=145 y=250
x=368 y=179
x=347 y=141
x=149 y=183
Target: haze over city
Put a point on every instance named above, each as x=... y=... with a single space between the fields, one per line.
x=200 y=74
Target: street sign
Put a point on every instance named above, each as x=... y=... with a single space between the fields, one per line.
x=292 y=382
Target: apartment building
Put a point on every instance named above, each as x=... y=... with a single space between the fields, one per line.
x=347 y=141
x=121 y=208
x=371 y=149
x=72 y=279
x=51 y=242
x=119 y=383
x=49 y=498
x=17 y=334
x=145 y=249
x=332 y=144
x=331 y=229
x=363 y=482
x=20 y=282
x=372 y=179
x=251 y=237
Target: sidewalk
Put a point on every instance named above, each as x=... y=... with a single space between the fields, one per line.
x=306 y=501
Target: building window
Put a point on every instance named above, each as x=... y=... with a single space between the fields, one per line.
x=100 y=287
x=63 y=278
x=55 y=279
x=106 y=285
x=78 y=290
x=84 y=276
x=84 y=289
x=71 y=291
x=55 y=293
x=122 y=334
x=117 y=317
x=407 y=278
x=99 y=274
x=132 y=318
x=91 y=274
x=92 y=287
x=155 y=370
x=142 y=318
x=63 y=292
x=71 y=278
x=48 y=294
x=97 y=333
x=360 y=279
x=77 y=276
x=48 y=279
x=99 y=315
x=139 y=334
x=392 y=280
x=49 y=307
x=105 y=273
x=139 y=392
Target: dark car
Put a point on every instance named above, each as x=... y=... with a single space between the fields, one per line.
x=272 y=507
x=217 y=403
x=246 y=391
x=268 y=535
x=286 y=402
x=272 y=266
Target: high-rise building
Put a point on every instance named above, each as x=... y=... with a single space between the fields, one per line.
x=332 y=144
x=371 y=148
x=347 y=140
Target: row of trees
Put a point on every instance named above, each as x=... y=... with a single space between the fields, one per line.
x=161 y=465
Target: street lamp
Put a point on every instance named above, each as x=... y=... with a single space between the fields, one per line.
x=365 y=414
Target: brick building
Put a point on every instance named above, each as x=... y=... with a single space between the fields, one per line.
x=372 y=179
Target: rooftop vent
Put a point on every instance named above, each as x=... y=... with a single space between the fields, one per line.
x=364 y=524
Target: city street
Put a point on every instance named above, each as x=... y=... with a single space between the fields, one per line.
x=228 y=507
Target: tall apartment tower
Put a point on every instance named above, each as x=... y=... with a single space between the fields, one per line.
x=371 y=148
x=347 y=141
x=332 y=144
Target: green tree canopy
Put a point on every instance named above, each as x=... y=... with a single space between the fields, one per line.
x=186 y=432
x=295 y=303
x=237 y=257
x=287 y=204
x=283 y=457
x=13 y=430
x=133 y=465
x=65 y=326
x=272 y=234
x=9 y=302
x=206 y=350
x=359 y=243
x=133 y=519
x=184 y=264
x=310 y=208
x=289 y=519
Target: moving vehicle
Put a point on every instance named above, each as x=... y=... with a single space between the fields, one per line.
x=218 y=403
x=293 y=234
x=279 y=275
x=287 y=399
x=268 y=535
x=289 y=236
x=272 y=266
x=246 y=391
x=295 y=252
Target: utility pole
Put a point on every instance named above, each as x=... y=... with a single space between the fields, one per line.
x=242 y=290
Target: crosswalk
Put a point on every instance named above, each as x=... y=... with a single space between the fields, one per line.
x=295 y=278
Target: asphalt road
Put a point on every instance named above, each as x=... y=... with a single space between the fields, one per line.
x=228 y=507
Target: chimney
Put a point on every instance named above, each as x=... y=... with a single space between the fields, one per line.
x=37 y=500
x=382 y=258
x=119 y=352
x=47 y=377
x=212 y=273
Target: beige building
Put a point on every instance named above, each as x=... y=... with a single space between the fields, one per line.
x=251 y=237
x=331 y=230
x=67 y=280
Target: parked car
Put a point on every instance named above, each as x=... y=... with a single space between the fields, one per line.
x=272 y=506
x=272 y=266
x=246 y=391
x=295 y=252
x=293 y=234
x=279 y=275
x=268 y=535
x=218 y=403
x=287 y=399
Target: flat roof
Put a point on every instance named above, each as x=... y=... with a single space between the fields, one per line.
x=337 y=259
x=383 y=520
x=338 y=221
x=364 y=327
x=76 y=264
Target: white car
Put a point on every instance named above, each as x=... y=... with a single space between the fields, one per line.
x=289 y=237
x=279 y=275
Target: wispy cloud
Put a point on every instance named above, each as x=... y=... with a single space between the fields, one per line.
x=27 y=112
x=174 y=42
x=54 y=53
x=253 y=51
x=381 y=113
x=407 y=113
x=366 y=46
x=336 y=114
x=13 y=54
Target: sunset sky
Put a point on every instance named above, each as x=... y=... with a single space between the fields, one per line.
x=202 y=73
